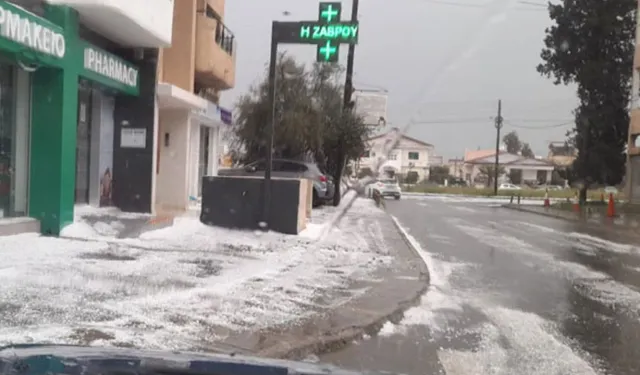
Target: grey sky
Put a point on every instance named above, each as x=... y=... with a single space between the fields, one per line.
x=439 y=61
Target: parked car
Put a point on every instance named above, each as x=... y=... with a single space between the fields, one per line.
x=286 y=168
x=387 y=188
x=457 y=182
x=509 y=187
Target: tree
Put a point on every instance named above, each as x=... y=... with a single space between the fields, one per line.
x=526 y=151
x=411 y=178
x=512 y=142
x=487 y=172
x=309 y=119
x=591 y=44
x=438 y=173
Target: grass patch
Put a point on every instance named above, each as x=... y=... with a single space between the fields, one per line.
x=488 y=192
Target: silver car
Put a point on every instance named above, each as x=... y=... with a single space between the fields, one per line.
x=286 y=168
x=386 y=187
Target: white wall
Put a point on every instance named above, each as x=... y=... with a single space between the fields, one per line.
x=172 y=179
x=143 y=23
x=194 y=157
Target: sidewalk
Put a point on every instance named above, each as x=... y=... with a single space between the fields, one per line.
x=193 y=287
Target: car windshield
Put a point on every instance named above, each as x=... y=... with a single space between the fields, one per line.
x=411 y=182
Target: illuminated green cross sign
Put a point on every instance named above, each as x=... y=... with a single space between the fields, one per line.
x=329 y=12
x=327 y=52
x=328 y=32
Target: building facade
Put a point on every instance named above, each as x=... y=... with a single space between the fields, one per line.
x=410 y=155
x=192 y=74
x=75 y=91
x=516 y=169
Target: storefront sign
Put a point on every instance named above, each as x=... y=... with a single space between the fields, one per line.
x=28 y=30
x=215 y=114
x=133 y=138
x=110 y=70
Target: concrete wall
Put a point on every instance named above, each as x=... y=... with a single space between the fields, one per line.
x=172 y=178
x=178 y=61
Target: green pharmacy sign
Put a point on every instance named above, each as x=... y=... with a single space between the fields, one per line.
x=342 y=32
x=327 y=33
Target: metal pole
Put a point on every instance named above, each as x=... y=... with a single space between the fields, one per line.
x=348 y=89
x=266 y=187
x=348 y=83
x=497 y=163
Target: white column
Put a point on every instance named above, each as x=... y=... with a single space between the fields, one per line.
x=156 y=135
x=21 y=142
x=214 y=151
x=194 y=157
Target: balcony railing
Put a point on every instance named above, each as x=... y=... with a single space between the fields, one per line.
x=224 y=38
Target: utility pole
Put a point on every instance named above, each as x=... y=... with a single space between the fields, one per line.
x=497 y=164
x=346 y=104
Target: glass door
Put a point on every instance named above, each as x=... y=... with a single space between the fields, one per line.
x=83 y=144
x=203 y=162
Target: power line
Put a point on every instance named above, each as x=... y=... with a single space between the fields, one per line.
x=539 y=127
x=479 y=6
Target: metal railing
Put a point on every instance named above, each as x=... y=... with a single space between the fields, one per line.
x=223 y=35
x=224 y=38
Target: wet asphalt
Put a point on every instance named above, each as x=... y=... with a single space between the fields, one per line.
x=510 y=293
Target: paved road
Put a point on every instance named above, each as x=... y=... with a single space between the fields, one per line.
x=511 y=293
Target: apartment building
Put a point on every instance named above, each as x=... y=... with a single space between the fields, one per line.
x=77 y=107
x=632 y=188
x=192 y=74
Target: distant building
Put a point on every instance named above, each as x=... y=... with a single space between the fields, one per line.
x=561 y=154
x=409 y=155
x=436 y=160
x=529 y=170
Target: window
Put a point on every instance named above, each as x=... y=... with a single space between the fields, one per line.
x=287 y=166
x=414 y=155
x=366 y=154
x=393 y=156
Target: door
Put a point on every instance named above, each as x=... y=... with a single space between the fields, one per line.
x=203 y=160
x=83 y=144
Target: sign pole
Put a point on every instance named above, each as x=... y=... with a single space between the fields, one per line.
x=326 y=33
x=266 y=188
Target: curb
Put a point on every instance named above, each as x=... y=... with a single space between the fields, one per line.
x=541 y=213
x=333 y=341
x=499 y=197
x=337 y=216
x=608 y=226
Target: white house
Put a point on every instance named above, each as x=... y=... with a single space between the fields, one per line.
x=409 y=155
x=529 y=170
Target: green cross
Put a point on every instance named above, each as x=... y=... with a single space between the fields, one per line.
x=328 y=13
x=328 y=50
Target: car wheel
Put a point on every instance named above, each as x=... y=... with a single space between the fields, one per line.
x=397 y=197
x=316 y=200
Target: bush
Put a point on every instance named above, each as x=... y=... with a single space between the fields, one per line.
x=411 y=178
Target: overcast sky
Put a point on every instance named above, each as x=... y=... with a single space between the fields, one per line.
x=445 y=64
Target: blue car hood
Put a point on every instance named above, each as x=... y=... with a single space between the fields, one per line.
x=81 y=360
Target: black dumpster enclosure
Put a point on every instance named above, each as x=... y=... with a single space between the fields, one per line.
x=235 y=202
